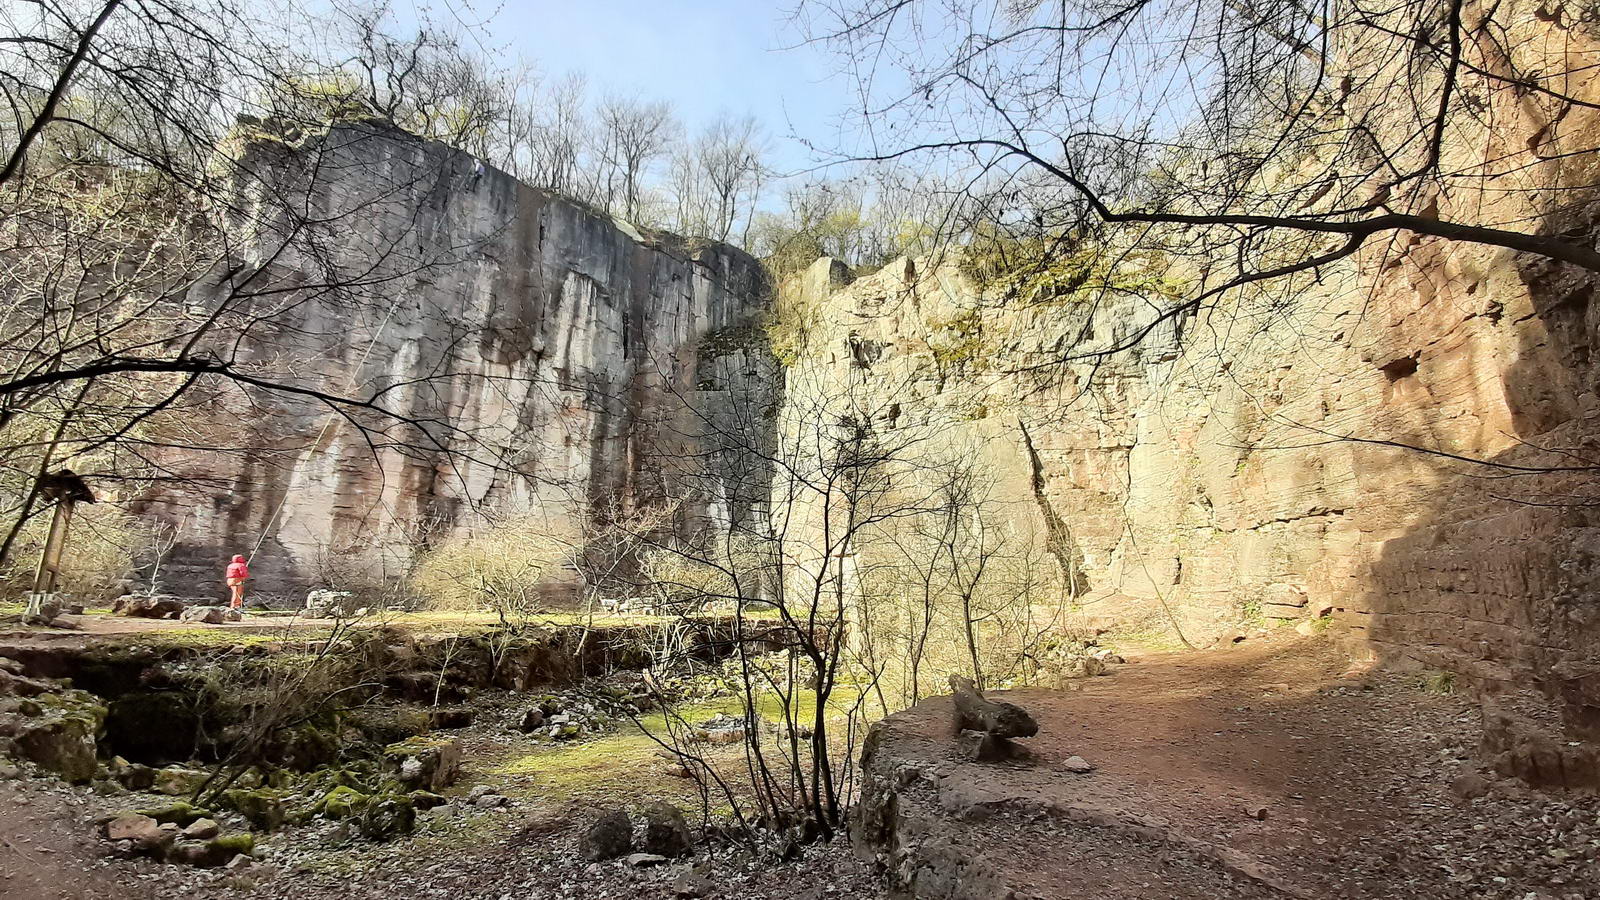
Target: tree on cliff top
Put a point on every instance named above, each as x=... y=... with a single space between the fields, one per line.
x=1260 y=139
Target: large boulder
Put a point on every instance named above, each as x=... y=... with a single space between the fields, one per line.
x=666 y=832
x=424 y=762
x=609 y=837
x=147 y=607
x=58 y=731
x=209 y=615
x=178 y=781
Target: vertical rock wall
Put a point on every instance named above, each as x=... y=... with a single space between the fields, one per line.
x=1404 y=446
x=528 y=352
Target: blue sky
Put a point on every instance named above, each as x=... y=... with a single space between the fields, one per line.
x=704 y=56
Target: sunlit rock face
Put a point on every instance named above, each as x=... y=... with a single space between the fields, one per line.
x=1256 y=465
x=1401 y=448
x=530 y=353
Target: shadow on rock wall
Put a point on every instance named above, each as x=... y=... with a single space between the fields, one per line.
x=1498 y=579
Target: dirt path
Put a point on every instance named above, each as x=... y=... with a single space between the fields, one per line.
x=1276 y=761
x=48 y=849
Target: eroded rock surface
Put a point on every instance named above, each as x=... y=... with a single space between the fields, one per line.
x=513 y=320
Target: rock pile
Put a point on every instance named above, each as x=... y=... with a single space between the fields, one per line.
x=573 y=714
x=148 y=606
x=198 y=843
x=324 y=604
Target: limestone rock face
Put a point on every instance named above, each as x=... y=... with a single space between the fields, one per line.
x=1289 y=475
x=533 y=350
x=1400 y=451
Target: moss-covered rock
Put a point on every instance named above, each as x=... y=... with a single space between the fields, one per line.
x=178 y=781
x=60 y=733
x=215 y=852
x=387 y=816
x=180 y=813
x=386 y=724
x=425 y=762
x=343 y=803
x=264 y=808
x=303 y=748
x=426 y=799
x=241 y=843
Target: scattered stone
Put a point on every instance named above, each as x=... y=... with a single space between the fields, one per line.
x=204 y=615
x=1078 y=764
x=425 y=763
x=201 y=830
x=644 y=860
x=692 y=883
x=1258 y=812
x=143 y=833
x=609 y=837
x=532 y=720
x=1470 y=786
x=666 y=832
x=485 y=797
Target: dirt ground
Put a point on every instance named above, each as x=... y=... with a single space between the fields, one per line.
x=1271 y=768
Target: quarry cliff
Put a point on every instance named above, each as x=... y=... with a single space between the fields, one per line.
x=532 y=352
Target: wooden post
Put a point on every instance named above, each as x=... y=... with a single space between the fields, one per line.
x=66 y=488
x=44 y=579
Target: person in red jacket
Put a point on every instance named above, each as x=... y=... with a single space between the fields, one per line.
x=238 y=571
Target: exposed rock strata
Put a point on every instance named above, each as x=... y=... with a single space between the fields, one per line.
x=523 y=330
x=1404 y=446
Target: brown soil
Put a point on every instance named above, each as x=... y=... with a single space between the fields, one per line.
x=49 y=850
x=1276 y=764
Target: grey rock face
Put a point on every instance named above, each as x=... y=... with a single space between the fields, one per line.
x=520 y=330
